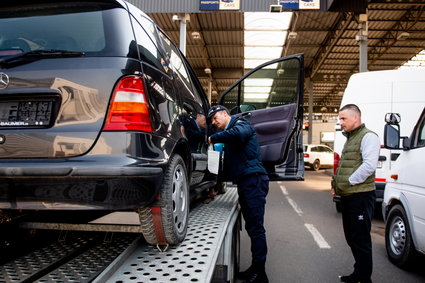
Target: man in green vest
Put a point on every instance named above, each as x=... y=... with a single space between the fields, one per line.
x=354 y=181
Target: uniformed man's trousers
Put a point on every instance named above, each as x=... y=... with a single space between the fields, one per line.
x=252 y=190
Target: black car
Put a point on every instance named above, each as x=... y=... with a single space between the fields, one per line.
x=96 y=110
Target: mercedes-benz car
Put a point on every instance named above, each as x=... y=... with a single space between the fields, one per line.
x=96 y=105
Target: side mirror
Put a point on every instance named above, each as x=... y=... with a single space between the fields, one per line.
x=392 y=118
x=392 y=136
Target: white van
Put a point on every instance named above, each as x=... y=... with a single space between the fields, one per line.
x=404 y=199
x=378 y=93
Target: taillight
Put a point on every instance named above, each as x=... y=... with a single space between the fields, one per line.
x=306 y=155
x=337 y=158
x=129 y=109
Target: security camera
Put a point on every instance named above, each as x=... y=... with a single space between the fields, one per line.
x=275 y=8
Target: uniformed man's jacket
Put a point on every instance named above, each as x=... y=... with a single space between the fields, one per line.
x=351 y=159
x=241 y=150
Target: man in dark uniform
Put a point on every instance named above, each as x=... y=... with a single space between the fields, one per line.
x=243 y=166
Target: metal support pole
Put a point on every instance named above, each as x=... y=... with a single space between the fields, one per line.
x=309 y=87
x=209 y=89
x=363 y=42
x=183 y=21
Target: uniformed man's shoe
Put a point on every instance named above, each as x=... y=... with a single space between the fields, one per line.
x=244 y=275
x=257 y=277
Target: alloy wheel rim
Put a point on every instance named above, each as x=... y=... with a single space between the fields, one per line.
x=179 y=198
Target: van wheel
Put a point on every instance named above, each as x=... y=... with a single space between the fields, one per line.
x=398 y=240
x=174 y=198
x=316 y=165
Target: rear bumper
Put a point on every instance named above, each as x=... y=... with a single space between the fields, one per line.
x=81 y=184
x=123 y=171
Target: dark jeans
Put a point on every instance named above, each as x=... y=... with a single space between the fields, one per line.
x=252 y=192
x=357 y=211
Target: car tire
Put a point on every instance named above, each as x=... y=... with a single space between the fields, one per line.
x=316 y=165
x=398 y=239
x=174 y=198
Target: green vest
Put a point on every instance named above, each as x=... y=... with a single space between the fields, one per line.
x=351 y=159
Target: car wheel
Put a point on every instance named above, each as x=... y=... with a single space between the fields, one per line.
x=398 y=240
x=316 y=165
x=174 y=197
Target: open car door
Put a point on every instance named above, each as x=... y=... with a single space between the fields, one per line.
x=271 y=98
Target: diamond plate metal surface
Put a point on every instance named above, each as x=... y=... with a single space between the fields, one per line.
x=24 y=267
x=192 y=261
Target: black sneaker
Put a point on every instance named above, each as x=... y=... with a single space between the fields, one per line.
x=349 y=279
x=352 y=279
x=257 y=277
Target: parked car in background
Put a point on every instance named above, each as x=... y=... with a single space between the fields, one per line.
x=403 y=207
x=98 y=109
x=318 y=156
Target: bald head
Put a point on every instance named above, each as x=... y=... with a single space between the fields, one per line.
x=350 y=117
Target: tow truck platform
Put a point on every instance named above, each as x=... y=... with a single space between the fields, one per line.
x=209 y=253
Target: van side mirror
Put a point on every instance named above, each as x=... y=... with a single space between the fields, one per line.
x=392 y=118
x=392 y=136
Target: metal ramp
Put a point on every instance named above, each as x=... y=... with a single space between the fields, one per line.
x=210 y=241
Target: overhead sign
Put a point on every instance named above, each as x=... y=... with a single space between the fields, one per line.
x=300 y=4
x=221 y=5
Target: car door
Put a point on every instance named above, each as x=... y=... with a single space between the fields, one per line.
x=271 y=98
x=411 y=183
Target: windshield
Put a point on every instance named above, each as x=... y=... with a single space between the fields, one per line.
x=74 y=28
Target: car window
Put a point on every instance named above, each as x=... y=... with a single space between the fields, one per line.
x=87 y=28
x=147 y=49
x=273 y=86
x=420 y=140
x=315 y=149
x=149 y=27
x=176 y=61
x=305 y=148
x=323 y=149
x=327 y=149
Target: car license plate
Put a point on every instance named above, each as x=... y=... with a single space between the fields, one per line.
x=26 y=113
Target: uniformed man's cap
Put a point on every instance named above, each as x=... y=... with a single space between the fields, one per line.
x=216 y=109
